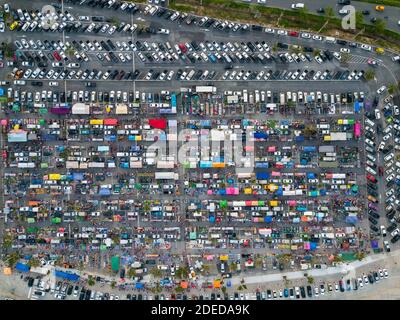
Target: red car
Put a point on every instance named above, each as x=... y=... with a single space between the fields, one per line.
x=293 y=33
x=56 y=56
x=371 y=178
x=182 y=47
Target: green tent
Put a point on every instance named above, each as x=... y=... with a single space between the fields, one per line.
x=31 y=220
x=138 y=186
x=103 y=247
x=56 y=220
x=223 y=203
x=44 y=165
x=193 y=236
x=115 y=263
x=42 y=121
x=16 y=108
x=43 y=110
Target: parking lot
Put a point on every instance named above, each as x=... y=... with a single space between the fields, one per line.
x=113 y=116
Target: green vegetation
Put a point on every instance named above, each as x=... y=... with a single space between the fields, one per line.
x=12 y=259
x=310 y=280
x=392 y=88
x=34 y=262
x=293 y=19
x=8 y=49
x=393 y=3
x=91 y=281
x=155 y=272
x=369 y=75
x=131 y=272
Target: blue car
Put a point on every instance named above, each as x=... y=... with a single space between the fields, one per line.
x=286 y=293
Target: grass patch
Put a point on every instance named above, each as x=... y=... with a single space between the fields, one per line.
x=296 y=20
x=393 y=3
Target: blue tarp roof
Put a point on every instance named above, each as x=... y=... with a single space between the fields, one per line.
x=260 y=135
x=1 y=92
x=351 y=219
x=104 y=192
x=262 y=175
x=139 y=285
x=77 y=176
x=267 y=219
x=22 y=267
x=356 y=106
x=67 y=276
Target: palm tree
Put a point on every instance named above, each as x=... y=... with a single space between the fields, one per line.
x=359 y=19
x=392 y=88
x=329 y=12
x=345 y=57
x=380 y=26
x=316 y=52
x=369 y=75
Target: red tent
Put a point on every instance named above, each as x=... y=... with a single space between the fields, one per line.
x=110 y=122
x=158 y=123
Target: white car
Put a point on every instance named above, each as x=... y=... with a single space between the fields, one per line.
x=381 y=90
x=317 y=37
x=53 y=84
x=163 y=31
x=282 y=32
x=306 y=35
x=344 y=50
x=366 y=47
x=84 y=18
x=337 y=55
x=2 y=27
x=269 y=30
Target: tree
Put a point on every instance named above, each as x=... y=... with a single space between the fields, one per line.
x=380 y=26
x=12 y=259
x=91 y=281
x=310 y=130
x=345 y=57
x=131 y=272
x=7 y=241
x=369 y=75
x=114 y=21
x=316 y=52
x=359 y=19
x=8 y=48
x=113 y=283
x=310 y=280
x=275 y=47
x=303 y=12
x=223 y=289
x=34 y=262
x=392 y=88
x=155 y=272
x=329 y=12
x=182 y=272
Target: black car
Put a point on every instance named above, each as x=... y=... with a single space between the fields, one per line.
x=344 y=2
x=212 y=296
x=303 y=292
x=321 y=10
x=258 y=295
x=373 y=221
x=30 y=282
x=69 y=290
x=365 y=12
x=309 y=291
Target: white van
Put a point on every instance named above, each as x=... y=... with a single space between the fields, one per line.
x=298 y=5
x=330 y=39
x=369 y=122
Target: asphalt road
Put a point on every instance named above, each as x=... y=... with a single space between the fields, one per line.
x=392 y=13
